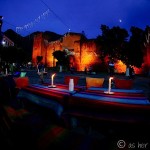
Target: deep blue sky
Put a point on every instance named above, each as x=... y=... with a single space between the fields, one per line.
x=76 y=15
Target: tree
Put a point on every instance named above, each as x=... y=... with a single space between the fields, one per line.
x=13 y=54
x=135 y=48
x=113 y=41
x=39 y=58
x=1 y=23
x=61 y=57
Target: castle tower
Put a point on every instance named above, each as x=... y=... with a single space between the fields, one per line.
x=52 y=47
x=39 y=49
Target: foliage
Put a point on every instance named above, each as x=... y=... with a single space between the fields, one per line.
x=39 y=58
x=114 y=44
x=134 y=51
x=112 y=41
x=13 y=54
x=62 y=57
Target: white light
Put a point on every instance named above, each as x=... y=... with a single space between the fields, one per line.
x=3 y=42
x=120 y=20
x=109 y=87
x=52 y=79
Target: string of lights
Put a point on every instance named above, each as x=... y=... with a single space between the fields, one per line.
x=58 y=17
x=31 y=24
x=10 y=24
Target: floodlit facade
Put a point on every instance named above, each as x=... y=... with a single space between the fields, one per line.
x=85 y=52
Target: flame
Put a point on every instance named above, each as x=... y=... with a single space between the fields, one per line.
x=111 y=78
x=53 y=75
x=52 y=79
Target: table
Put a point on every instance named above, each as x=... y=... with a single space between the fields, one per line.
x=53 y=98
x=86 y=105
x=123 y=106
x=128 y=93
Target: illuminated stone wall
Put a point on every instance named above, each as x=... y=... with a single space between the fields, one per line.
x=89 y=55
x=52 y=46
x=68 y=41
x=86 y=53
x=147 y=57
x=77 y=56
x=37 y=47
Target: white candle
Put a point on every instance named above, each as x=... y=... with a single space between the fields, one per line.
x=71 y=85
x=38 y=70
x=52 y=79
x=44 y=69
x=109 y=86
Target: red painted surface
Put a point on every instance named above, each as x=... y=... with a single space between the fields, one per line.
x=75 y=78
x=21 y=82
x=123 y=84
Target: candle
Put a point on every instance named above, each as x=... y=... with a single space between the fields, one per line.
x=71 y=85
x=52 y=79
x=44 y=69
x=109 y=87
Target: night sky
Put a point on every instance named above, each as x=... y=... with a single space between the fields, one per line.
x=61 y=16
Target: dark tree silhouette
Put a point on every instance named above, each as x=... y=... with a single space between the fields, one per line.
x=112 y=41
x=39 y=58
x=60 y=56
x=135 y=50
x=13 y=54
